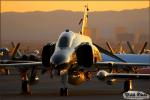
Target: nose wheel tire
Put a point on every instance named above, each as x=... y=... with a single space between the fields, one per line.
x=63 y=91
x=127 y=85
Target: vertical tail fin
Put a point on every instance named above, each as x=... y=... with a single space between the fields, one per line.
x=143 y=47
x=130 y=47
x=14 y=51
x=18 y=53
x=110 y=48
x=121 y=49
x=85 y=21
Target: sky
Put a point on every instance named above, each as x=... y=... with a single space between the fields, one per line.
x=28 y=6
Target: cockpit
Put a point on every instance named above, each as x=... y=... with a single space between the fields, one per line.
x=4 y=50
x=65 y=40
x=4 y=53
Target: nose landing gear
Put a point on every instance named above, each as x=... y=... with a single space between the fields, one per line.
x=64 y=92
x=64 y=88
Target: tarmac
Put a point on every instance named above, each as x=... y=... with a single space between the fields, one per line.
x=48 y=89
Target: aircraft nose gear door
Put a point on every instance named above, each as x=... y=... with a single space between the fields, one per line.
x=64 y=88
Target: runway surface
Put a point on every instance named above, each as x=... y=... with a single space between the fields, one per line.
x=48 y=89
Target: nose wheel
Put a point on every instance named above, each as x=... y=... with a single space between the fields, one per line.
x=64 y=92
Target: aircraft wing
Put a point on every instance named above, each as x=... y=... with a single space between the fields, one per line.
x=128 y=76
x=11 y=63
x=120 y=64
x=105 y=75
x=108 y=65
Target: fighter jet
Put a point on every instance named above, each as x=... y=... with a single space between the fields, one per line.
x=74 y=55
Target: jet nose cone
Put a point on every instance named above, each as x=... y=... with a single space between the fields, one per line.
x=59 y=59
x=60 y=63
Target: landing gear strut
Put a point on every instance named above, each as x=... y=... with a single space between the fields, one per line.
x=127 y=85
x=64 y=89
x=26 y=88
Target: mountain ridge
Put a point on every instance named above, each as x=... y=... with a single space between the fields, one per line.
x=46 y=26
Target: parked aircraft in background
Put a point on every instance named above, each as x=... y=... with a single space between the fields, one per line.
x=133 y=50
x=131 y=56
x=6 y=54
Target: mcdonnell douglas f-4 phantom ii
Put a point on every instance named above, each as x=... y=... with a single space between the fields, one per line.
x=76 y=59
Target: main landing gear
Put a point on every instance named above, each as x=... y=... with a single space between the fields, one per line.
x=26 y=88
x=128 y=85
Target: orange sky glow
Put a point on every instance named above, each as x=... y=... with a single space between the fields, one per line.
x=28 y=6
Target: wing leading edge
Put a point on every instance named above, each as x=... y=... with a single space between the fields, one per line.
x=20 y=64
x=120 y=65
